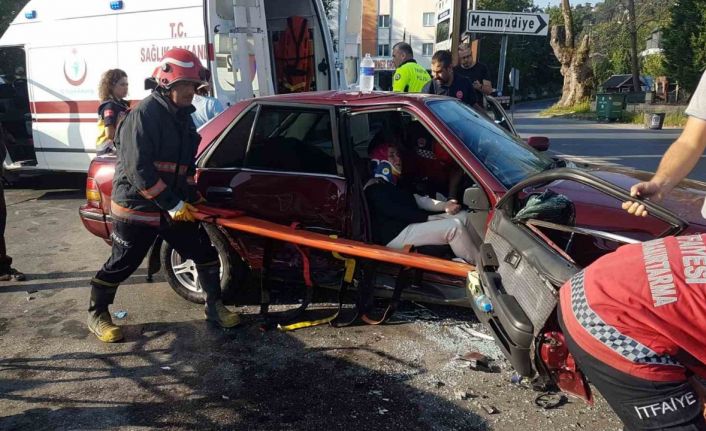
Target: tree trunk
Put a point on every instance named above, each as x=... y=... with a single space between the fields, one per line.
x=632 y=29
x=574 y=61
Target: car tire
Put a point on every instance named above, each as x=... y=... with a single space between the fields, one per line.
x=182 y=278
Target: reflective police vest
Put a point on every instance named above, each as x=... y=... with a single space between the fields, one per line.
x=410 y=77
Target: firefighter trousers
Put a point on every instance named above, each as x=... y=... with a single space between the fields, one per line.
x=131 y=242
x=641 y=404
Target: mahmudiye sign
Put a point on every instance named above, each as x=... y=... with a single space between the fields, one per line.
x=532 y=24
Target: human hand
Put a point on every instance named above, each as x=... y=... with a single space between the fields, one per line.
x=652 y=189
x=452 y=207
x=199 y=199
x=183 y=212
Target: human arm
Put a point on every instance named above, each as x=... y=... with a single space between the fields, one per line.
x=677 y=162
x=432 y=205
x=386 y=202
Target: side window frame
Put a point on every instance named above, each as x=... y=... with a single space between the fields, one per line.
x=203 y=162
x=313 y=107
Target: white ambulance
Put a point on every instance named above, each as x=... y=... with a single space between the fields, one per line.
x=67 y=45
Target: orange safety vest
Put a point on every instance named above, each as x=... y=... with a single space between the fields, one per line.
x=294 y=57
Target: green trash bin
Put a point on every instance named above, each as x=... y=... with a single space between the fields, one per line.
x=609 y=106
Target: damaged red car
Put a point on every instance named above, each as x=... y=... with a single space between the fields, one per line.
x=302 y=159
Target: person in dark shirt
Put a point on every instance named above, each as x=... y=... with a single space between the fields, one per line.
x=475 y=72
x=401 y=218
x=112 y=91
x=444 y=82
x=7 y=272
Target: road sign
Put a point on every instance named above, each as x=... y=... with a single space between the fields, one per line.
x=485 y=21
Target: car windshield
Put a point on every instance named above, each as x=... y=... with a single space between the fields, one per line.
x=506 y=157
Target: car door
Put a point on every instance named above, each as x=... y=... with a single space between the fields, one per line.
x=279 y=162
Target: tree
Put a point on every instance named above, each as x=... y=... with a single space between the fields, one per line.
x=685 y=42
x=573 y=59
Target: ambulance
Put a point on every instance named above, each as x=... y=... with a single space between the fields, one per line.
x=252 y=47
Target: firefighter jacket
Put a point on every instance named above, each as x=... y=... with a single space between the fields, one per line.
x=641 y=309
x=157 y=144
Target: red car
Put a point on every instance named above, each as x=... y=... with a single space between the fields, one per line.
x=303 y=159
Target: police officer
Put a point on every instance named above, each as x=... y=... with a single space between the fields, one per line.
x=153 y=192
x=409 y=77
x=634 y=321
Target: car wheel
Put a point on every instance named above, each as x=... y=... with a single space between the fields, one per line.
x=183 y=279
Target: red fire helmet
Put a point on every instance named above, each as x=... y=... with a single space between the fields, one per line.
x=179 y=64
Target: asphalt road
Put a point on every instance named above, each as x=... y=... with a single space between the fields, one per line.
x=622 y=144
x=175 y=372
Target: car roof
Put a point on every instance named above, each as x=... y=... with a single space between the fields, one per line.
x=349 y=98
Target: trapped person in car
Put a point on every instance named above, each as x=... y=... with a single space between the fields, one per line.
x=634 y=321
x=680 y=158
x=112 y=91
x=153 y=192
x=401 y=218
x=447 y=83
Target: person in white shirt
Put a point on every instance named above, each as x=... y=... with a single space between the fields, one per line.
x=680 y=158
x=206 y=106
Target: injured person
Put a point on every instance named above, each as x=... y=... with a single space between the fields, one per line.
x=634 y=321
x=401 y=218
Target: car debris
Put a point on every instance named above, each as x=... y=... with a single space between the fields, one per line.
x=121 y=314
x=550 y=400
x=479 y=362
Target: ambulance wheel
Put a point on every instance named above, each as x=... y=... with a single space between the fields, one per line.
x=183 y=279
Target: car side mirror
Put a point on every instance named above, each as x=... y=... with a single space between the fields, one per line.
x=475 y=199
x=539 y=143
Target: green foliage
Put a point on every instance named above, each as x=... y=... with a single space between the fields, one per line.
x=654 y=65
x=685 y=42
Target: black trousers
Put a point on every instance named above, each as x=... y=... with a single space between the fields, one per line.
x=131 y=242
x=5 y=260
x=641 y=404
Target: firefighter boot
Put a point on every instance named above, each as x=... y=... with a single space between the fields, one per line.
x=99 y=321
x=216 y=312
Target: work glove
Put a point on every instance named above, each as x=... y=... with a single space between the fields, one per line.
x=183 y=212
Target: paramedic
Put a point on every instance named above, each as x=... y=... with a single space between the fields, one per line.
x=112 y=91
x=153 y=192
x=206 y=106
x=409 y=76
x=634 y=321
x=680 y=158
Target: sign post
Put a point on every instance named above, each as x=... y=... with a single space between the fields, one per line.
x=506 y=23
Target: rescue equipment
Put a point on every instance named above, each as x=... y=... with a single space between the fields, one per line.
x=413 y=266
x=294 y=57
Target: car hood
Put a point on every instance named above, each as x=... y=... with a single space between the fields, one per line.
x=686 y=200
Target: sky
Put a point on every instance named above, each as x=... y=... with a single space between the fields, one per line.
x=542 y=3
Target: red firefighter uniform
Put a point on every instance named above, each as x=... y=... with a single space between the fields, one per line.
x=638 y=315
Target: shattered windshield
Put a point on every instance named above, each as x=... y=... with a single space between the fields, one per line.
x=508 y=158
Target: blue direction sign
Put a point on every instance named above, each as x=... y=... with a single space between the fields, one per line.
x=485 y=21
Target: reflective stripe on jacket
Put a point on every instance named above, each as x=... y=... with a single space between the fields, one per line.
x=157 y=144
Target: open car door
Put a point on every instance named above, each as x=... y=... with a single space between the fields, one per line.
x=540 y=235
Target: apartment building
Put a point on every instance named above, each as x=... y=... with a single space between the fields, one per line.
x=375 y=26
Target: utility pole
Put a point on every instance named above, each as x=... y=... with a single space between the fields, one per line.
x=632 y=29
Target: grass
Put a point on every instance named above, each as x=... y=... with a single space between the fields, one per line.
x=582 y=111
x=672 y=119
x=581 y=108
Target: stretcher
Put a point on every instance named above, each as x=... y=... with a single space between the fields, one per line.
x=412 y=264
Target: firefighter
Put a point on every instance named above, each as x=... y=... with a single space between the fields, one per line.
x=409 y=77
x=153 y=192
x=634 y=321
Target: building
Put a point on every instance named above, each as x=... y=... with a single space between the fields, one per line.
x=384 y=23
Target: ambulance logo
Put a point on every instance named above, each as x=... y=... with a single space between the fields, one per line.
x=75 y=68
